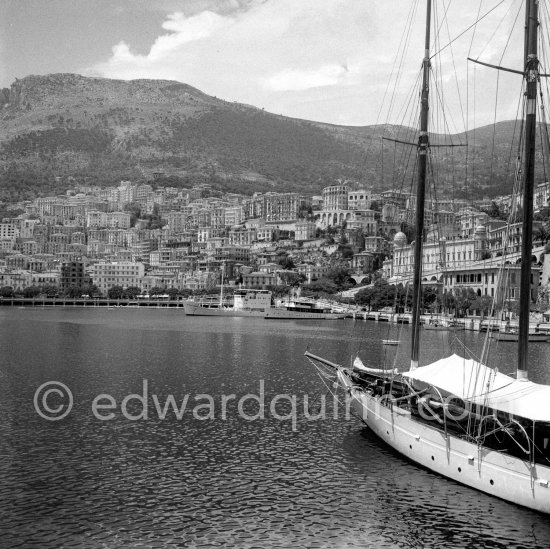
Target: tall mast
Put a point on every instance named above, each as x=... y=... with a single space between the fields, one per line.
x=531 y=78
x=220 y=306
x=422 y=151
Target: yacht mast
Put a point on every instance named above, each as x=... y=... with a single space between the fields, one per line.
x=220 y=306
x=531 y=78
x=422 y=148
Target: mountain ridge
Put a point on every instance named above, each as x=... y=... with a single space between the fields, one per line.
x=102 y=130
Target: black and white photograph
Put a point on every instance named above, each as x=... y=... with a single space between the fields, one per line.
x=274 y=274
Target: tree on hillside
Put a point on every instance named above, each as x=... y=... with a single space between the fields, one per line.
x=279 y=291
x=50 y=290
x=7 y=291
x=543 y=297
x=31 y=291
x=132 y=292
x=541 y=235
x=285 y=261
x=483 y=304
x=135 y=212
x=346 y=251
x=92 y=290
x=494 y=212
x=291 y=278
x=464 y=297
x=73 y=292
x=365 y=297
x=115 y=292
x=323 y=286
x=157 y=290
x=173 y=293
x=340 y=276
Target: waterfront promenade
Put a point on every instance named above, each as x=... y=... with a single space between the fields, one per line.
x=88 y=302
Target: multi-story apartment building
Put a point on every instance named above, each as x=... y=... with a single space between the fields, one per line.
x=359 y=200
x=9 y=231
x=233 y=215
x=491 y=280
x=125 y=274
x=437 y=257
x=73 y=275
x=305 y=230
x=542 y=196
x=336 y=197
x=115 y=220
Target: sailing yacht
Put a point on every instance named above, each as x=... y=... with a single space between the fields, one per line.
x=457 y=416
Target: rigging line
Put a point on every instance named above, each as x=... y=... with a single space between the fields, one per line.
x=475 y=28
x=545 y=138
x=401 y=56
x=436 y=18
x=466 y=30
x=468 y=93
x=473 y=169
x=445 y=126
x=494 y=128
x=497 y=29
x=491 y=172
x=542 y=115
x=402 y=44
x=410 y=106
x=456 y=77
x=401 y=53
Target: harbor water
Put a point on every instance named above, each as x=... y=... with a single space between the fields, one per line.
x=125 y=468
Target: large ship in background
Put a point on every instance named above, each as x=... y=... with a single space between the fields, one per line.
x=259 y=303
x=245 y=302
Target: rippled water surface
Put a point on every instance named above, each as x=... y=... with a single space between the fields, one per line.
x=86 y=482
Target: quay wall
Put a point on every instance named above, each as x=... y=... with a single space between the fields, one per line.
x=88 y=302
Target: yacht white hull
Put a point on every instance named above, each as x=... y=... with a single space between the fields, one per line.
x=281 y=313
x=195 y=309
x=492 y=472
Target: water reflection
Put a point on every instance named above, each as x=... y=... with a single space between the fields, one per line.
x=89 y=483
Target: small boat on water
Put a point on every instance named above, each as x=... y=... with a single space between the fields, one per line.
x=514 y=336
x=390 y=342
x=440 y=325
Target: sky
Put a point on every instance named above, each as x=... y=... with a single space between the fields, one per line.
x=325 y=60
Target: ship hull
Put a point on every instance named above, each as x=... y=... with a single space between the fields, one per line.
x=498 y=474
x=194 y=309
x=503 y=336
x=301 y=315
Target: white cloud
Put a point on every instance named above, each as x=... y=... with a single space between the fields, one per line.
x=185 y=30
x=298 y=80
x=326 y=60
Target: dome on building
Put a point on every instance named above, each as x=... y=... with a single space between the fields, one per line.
x=400 y=239
x=480 y=231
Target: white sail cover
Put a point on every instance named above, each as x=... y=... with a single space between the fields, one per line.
x=358 y=365
x=479 y=384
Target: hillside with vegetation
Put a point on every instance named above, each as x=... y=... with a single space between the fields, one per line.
x=101 y=131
